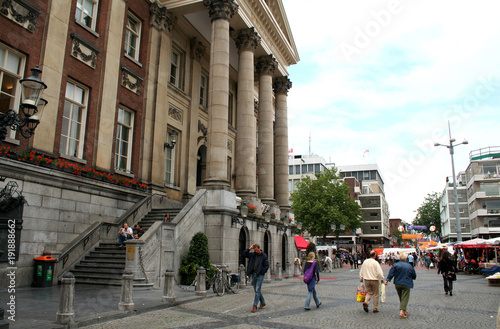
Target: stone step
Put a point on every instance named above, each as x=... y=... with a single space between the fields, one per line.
x=110 y=263
x=105 y=282
x=97 y=269
x=108 y=254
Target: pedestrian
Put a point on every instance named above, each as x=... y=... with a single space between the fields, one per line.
x=372 y=273
x=328 y=262
x=125 y=233
x=403 y=274
x=427 y=261
x=138 y=231
x=447 y=270
x=167 y=218
x=258 y=264
x=311 y=286
x=355 y=259
x=410 y=260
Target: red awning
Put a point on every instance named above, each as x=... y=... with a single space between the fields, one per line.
x=300 y=242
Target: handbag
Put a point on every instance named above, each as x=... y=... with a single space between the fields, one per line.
x=360 y=294
x=451 y=276
x=309 y=273
x=382 y=293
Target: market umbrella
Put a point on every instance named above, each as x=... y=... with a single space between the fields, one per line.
x=493 y=241
x=474 y=243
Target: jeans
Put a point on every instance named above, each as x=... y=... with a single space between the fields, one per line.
x=122 y=238
x=257 y=280
x=314 y=295
x=448 y=284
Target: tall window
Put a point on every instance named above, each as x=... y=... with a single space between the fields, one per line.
x=11 y=66
x=124 y=134
x=73 y=124
x=132 y=37
x=204 y=90
x=170 y=160
x=230 y=112
x=175 y=67
x=86 y=12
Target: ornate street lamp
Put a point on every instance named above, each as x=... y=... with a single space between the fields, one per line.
x=337 y=233
x=31 y=107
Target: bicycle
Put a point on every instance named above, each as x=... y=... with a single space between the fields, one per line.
x=470 y=268
x=224 y=281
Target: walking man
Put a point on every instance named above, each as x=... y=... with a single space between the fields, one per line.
x=258 y=264
x=372 y=273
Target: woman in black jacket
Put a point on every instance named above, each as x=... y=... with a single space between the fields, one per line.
x=447 y=270
x=311 y=286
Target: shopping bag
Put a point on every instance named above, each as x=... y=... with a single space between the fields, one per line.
x=361 y=294
x=382 y=293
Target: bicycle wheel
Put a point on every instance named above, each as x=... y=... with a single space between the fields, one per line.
x=219 y=287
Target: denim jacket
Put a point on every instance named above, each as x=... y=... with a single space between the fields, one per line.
x=403 y=274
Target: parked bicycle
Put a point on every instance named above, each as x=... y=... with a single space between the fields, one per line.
x=471 y=268
x=225 y=281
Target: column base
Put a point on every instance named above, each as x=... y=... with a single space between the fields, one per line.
x=215 y=183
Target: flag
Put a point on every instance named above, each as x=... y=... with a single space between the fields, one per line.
x=290 y=150
x=366 y=151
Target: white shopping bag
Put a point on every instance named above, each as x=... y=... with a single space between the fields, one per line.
x=382 y=293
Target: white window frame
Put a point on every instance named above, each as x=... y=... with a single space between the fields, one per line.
x=204 y=90
x=170 y=156
x=16 y=98
x=129 y=32
x=80 y=6
x=70 y=136
x=120 y=152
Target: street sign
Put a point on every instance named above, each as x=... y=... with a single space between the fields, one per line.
x=416 y=227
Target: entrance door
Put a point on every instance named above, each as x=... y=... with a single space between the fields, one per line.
x=283 y=252
x=243 y=246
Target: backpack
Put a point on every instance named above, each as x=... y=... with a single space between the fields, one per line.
x=309 y=273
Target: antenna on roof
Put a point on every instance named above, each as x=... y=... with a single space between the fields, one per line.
x=309 y=144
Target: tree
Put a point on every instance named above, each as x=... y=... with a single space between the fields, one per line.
x=323 y=200
x=198 y=255
x=428 y=214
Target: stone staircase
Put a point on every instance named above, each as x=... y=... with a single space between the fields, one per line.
x=106 y=263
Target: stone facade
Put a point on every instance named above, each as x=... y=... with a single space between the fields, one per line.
x=135 y=74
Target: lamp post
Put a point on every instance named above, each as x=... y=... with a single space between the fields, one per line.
x=455 y=194
x=31 y=107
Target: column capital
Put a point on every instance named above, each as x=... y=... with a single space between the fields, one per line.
x=282 y=85
x=160 y=18
x=246 y=39
x=266 y=65
x=221 y=9
x=197 y=49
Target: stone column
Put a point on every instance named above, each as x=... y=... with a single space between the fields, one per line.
x=281 y=87
x=279 y=272
x=156 y=106
x=66 y=312
x=266 y=66
x=242 y=272
x=168 y=288
x=220 y=12
x=126 y=298
x=247 y=41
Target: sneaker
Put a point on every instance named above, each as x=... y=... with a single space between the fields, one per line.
x=318 y=305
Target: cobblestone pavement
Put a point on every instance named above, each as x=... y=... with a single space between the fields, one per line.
x=474 y=305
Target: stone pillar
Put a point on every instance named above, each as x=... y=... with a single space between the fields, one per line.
x=296 y=268
x=288 y=271
x=281 y=87
x=133 y=258
x=201 y=288
x=267 y=276
x=220 y=12
x=279 y=272
x=156 y=99
x=247 y=41
x=266 y=66
x=243 y=275
x=168 y=288
x=66 y=312
x=126 y=298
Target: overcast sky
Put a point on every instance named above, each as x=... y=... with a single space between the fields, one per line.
x=387 y=76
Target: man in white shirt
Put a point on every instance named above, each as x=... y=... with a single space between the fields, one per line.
x=328 y=262
x=125 y=233
x=372 y=273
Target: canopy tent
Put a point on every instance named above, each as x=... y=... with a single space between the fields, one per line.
x=474 y=243
x=493 y=241
x=300 y=242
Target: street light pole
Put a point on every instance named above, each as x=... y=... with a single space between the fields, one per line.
x=455 y=194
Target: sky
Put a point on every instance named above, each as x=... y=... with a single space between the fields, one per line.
x=391 y=77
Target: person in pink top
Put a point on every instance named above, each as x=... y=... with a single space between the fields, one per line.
x=372 y=273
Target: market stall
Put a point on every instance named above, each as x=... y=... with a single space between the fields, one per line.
x=477 y=251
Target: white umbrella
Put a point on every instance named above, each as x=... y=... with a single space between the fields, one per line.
x=493 y=241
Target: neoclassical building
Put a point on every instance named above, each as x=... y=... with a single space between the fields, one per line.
x=153 y=105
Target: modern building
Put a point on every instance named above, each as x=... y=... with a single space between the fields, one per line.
x=447 y=210
x=303 y=165
x=483 y=192
x=375 y=229
x=153 y=105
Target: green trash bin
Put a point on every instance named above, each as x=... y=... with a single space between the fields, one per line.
x=44 y=271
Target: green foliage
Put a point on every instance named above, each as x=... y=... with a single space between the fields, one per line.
x=311 y=247
x=428 y=214
x=197 y=256
x=323 y=200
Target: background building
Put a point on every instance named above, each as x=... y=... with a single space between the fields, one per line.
x=447 y=210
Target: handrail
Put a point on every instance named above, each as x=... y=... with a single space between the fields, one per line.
x=93 y=234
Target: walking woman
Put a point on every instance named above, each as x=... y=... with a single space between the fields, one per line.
x=448 y=270
x=311 y=286
x=403 y=274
